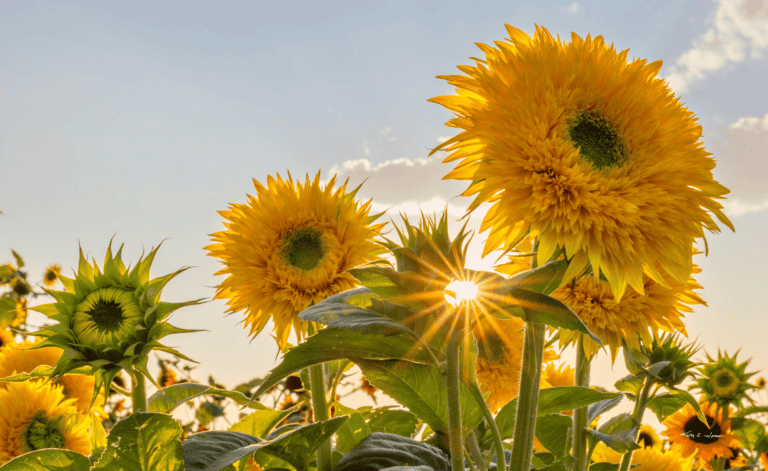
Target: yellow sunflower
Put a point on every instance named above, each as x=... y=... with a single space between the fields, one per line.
x=690 y=435
x=167 y=377
x=604 y=454
x=552 y=376
x=655 y=459
x=500 y=350
x=585 y=151
x=290 y=247
x=51 y=274
x=760 y=383
x=19 y=358
x=6 y=338
x=34 y=416
x=764 y=459
x=648 y=438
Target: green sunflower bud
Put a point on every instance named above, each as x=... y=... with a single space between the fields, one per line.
x=724 y=380
x=110 y=321
x=670 y=348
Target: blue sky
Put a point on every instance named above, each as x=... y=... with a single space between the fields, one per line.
x=147 y=118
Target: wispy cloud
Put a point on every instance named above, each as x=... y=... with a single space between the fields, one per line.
x=572 y=8
x=738 y=28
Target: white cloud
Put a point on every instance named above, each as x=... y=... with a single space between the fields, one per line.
x=738 y=27
x=741 y=154
x=572 y=8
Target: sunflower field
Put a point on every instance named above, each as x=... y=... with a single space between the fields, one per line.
x=598 y=185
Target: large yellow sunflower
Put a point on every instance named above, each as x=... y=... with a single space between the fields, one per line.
x=582 y=150
x=34 y=416
x=18 y=359
x=6 y=338
x=690 y=435
x=645 y=459
x=290 y=247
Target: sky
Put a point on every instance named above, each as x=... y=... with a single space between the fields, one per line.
x=144 y=119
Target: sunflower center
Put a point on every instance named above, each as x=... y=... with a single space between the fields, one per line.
x=303 y=248
x=107 y=319
x=598 y=141
x=646 y=440
x=698 y=432
x=106 y=314
x=724 y=378
x=41 y=433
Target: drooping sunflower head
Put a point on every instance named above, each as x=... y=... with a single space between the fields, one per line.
x=51 y=274
x=669 y=347
x=290 y=247
x=34 y=415
x=724 y=380
x=586 y=152
x=690 y=435
x=109 y=321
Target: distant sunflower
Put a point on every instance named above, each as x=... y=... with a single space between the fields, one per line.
x=51 y=274
x=648 y=438
x=20 y=359
x=34 y=416
x=724 y=380
x=552 y=376
x=582 y=150
x=760 y=383
x=764 y=459
x=290 y=247
x=6 y=338
x=167 y=377
x=690 y=435
x=500 y=350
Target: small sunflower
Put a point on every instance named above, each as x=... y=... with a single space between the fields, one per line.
x=368 y=388
x=690 y=435
x=760 y=383
x=167 y=377
x=499 y=359
x=34 y=416
x=724 y=380
x=289 y=248
x=552 y=376
x=51 y=274
x=584 y=151
x=6 y=339
x=110 y=321
x=764 y=459
x=737 y=461
x=648 y=438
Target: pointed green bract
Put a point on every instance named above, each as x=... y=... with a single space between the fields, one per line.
x=110 y=320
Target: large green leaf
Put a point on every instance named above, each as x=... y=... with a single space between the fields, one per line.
x=388 y=420
x=171 y=397
x=143 y=441
x=261 y=422
x=420 y=388
x=618 y=433
x=594 y=410
x=551 y=401
x=353 y=431
x=214 y=450
x=552 y=431
x=334 y=344
x=665 y=405
x=48 y=459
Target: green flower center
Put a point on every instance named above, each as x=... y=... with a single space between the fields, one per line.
x=598 y=141
x=107 y=319
x=698 y=432
x=303 y=248
x=41 y=433
x=725 y=382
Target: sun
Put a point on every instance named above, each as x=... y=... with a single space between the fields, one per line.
x=463 y=290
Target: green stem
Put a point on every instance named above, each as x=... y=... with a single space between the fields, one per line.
x=320 y=413
x=637 y=415
x=138 y=393
x=474 y=451
x=497 y=442
x=528 y=398
x=580 y=414
x=453 y=385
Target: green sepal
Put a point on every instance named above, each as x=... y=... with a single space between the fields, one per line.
x=163 y=329
x=161 y=310
x=151 y=295
x=69 y=299
x=70 y=354
x=55 y=340
x=50 y=310
x=113 y=267
x=69 y=283
x=174 y=352
x=141 y=366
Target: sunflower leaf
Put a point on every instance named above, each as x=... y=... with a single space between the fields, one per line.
x=19 y=260
x=543 y=280
x=618 y=433
x=687 y=397
x=143 y=441
x=665 y=405
x=48 y=459
x=171 y=397
x=631 y=384
x=214 y=450
x=598 y=408
x=552 y=431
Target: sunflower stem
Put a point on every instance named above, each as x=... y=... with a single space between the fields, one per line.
x=320 y=413
x=474 y=451
x=580 y=414
x=528 y=397
x=497 y=442
x=453 y=385
x=637 y=415
x=138 y=393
